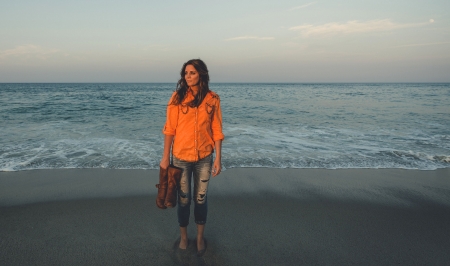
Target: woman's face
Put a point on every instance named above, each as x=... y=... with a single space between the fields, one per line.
x=191 y=76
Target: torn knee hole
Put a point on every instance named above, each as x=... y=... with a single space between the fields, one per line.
x=201 y=197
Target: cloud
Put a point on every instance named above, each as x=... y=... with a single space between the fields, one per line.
x=250 y=38
x=351 y=27
x=303 y=6
x=156 y=47
x=29 y=50
x=421 y=44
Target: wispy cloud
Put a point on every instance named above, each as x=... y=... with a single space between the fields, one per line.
x=351 y=27
x=241 y=38
x=27 y=50
x=303 y=6
x=421 y=44
x=156 y=47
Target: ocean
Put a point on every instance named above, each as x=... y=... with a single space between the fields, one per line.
x=276 y=125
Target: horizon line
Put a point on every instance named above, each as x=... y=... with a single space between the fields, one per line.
x=235 y=82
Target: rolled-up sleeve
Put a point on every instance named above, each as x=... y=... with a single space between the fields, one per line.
x=216 y=123
x=170 y=127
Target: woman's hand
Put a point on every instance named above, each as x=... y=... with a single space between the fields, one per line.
x=217 y=167
x=164 y=163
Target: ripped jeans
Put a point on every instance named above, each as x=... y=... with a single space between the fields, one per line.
x=201 y=171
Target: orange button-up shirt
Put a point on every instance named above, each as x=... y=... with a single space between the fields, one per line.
x=195 y=128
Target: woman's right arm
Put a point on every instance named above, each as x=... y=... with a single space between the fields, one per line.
x=165 y=161
x=169 y=131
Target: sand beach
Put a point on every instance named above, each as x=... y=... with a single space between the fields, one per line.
x=257 y=216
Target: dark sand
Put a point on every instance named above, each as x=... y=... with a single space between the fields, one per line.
x=257 y=216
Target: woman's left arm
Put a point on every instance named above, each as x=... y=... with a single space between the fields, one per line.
x=216 y=128
x=217 y=167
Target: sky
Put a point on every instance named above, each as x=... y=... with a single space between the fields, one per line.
x=240 y=41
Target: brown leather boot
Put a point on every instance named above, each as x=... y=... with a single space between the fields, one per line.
x=162 y=188
x=174 y=176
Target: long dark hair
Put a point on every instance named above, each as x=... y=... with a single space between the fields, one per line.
x=182 y=86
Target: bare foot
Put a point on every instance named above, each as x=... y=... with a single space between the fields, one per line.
x=200 y=244
x=183 y=243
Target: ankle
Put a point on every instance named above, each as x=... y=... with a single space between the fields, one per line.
x=183 y=243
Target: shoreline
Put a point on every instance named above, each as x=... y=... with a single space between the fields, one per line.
x=259 y=216
x=233 y=167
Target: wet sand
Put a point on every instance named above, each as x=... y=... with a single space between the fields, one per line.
x=257 y=216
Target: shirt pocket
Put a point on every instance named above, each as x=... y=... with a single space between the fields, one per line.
x=210 y=107
x=184 y=108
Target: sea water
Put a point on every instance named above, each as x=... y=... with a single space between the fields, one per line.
x=92 y=125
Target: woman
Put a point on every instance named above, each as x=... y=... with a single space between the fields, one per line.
x=194 y=126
